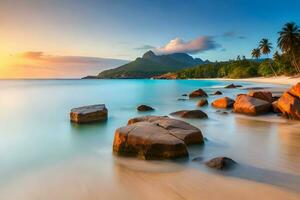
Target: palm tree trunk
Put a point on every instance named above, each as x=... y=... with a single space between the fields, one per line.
x=272 y=67
x=295 y=62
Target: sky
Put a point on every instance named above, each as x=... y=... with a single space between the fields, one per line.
x=73 y=38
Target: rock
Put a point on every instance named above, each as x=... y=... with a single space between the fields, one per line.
x=181 y=99
x=275 y=108
x=198 y=93
x=155 y=137
x=184 y=95
x=87 y=114
x=263 y=95
x=251 y=106
x=220 y=163
x=202 y=102
x=232 y=86
x=144 y=108
x=194 y=114
x=167 y=76
x=289 y=105
x=224 y=102
x=217 y=93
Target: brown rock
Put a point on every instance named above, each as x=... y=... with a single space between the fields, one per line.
x=202 y=102
x=195 y=114
x=198 y=93
x=155 y=137
x=217 y=93
x=144 y=108
x=224 y=102
x=263 y=95
x=251 y=106
x=275 y=108
x=87 y=114
x=220 y=163
x=289 y=105
x=230 y=86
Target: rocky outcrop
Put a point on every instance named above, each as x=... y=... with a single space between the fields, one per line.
x=224 y=102
x=193 y=114
x=263 y=95
x=221 y=163
x=87 y=114
x=202 y=102
x=252 y=106
x=142 y=108
x=289 y=103
x=155 y=137
x=230 y=86
x=198 y=93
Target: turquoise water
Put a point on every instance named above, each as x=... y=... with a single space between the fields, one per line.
x=35 y=130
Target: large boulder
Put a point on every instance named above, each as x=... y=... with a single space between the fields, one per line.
x=202 y=102
x=142 y=108
x=193 y=114
x=263 y=95
x=289 y=103
x=198 y=93
x=87 y=114
x=155 y=137
x=224 y=102
x=249 y=105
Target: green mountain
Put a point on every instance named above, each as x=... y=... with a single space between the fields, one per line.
x=151 y=65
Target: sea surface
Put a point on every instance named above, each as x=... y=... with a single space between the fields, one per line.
x=41 y=151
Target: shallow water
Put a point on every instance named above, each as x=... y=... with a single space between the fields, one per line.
x=37 y=138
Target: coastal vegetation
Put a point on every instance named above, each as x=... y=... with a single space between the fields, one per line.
x=284 y=63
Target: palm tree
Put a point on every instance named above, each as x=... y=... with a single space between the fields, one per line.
x=255 y=53
x=265 y=46
x=289 y=41
x=276 y=56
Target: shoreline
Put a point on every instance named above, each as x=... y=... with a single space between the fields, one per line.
x=281 y=80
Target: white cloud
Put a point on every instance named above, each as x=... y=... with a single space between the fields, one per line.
x=197 y=45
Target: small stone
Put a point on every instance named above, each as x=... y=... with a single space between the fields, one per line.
x=221 y=163
x=144 y=108
x=194 y=114
x=202 y=102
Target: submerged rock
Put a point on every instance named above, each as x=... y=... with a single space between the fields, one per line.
x=202 y=102
x=232 y=86
x=155 y=137
x=196 y=114
x=198 y=93
x=184 y=95
x=220 y=163
x=87 y=114
x=263 y=95
x=224 y=102
x=144 y=108
x=250 y=105
x=289 y=103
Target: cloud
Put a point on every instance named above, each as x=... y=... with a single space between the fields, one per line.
x=37 y=64
x=145 y=47
x=177 y=45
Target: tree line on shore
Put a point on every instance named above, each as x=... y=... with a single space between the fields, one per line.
x=285 y=62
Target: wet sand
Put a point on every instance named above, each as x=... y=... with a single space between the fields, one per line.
x=86 y=178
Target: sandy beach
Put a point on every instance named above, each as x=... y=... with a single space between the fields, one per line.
x=284 y=80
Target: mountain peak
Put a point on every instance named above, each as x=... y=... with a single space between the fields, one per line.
x=149 y=54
